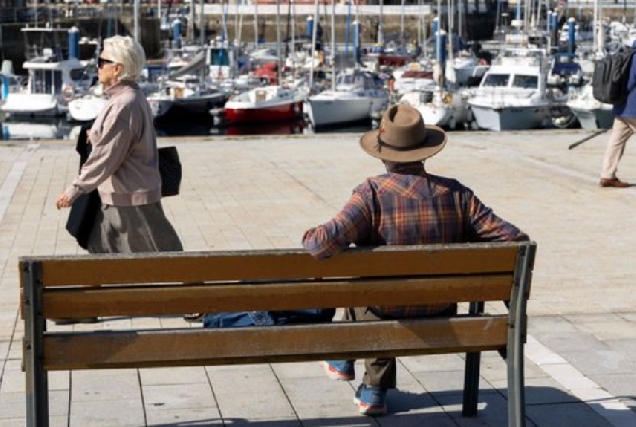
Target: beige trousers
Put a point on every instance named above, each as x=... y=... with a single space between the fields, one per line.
x=622 y=129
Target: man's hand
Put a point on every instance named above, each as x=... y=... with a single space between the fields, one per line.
x=63 y=201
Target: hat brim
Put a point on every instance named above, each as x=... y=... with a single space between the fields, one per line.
x=435 y=141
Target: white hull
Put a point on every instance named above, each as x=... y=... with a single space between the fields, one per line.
x=446 y=116
x=85 y=109
x=31 y=105
x=325 y=112
x=510 y=118
x=596 y=118
x=160 y=105
x=444 y=109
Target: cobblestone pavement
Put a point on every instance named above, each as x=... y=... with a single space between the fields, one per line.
x=249 y=193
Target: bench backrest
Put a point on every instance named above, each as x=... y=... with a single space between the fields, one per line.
x=163 y=284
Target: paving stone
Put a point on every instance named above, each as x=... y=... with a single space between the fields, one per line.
x=103 y=414
x=161 y=417
x=179 y=396
x=581 y=315
x=577 y=414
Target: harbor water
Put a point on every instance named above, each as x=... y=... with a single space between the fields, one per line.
x=202 y=125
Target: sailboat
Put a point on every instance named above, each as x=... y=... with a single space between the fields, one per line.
x=267 y=103
x=355 y=96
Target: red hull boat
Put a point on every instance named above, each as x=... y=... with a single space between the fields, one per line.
x=264 y=104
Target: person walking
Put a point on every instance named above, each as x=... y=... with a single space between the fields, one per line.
x=124 y=162
x=623 y=128
x=405 y=206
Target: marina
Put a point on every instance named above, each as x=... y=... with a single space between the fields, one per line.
x=242 y=193
x=268 y=137
x=319 y=66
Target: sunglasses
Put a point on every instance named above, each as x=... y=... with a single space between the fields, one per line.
x=103 y=61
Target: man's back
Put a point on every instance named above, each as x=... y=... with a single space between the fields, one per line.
x=409 y=207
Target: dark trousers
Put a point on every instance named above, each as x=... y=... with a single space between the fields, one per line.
x=377 y=372
x=380 y=372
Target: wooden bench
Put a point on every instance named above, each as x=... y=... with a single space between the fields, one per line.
x=162 y=284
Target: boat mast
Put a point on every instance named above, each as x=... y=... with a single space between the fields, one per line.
x=381 y=25
x=201 y=24
x=191 y=23
x=402 y=41
x=313 y=46
x=255 y=24
x=237 y=35
x=292 y=5
x=333 y=44
x=278 y=41
x=136 y=20
x=159 y=16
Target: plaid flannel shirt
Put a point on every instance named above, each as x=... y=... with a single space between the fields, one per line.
x=409 y=207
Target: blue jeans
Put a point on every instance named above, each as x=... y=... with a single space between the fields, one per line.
x=266 y=318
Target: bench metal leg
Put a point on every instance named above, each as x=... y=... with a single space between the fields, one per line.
x=37 y=388
x=516 y=390
x=517 y=336
x=471 y=372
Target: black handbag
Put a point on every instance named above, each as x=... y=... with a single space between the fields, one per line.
x=84 y=209
x=170 y=171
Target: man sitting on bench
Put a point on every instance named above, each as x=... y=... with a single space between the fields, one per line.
x=405 y=206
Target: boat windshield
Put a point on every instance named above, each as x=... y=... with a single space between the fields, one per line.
x=496 y=80
x=348 y=79
x=46 y=81
x=525 y=82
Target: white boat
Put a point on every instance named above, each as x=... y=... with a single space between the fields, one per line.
x=413 y=76
x=86 y=108
x=358 y=96
x=592 y=114
x=52 y=81
x=513 y=92
x=465 y=69
x=441 y=107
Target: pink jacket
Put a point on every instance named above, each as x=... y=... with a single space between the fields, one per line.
x=123 y=164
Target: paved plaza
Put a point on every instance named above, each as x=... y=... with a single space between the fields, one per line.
x=263 y=192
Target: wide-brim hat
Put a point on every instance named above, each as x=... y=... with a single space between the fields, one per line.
x=403 y=137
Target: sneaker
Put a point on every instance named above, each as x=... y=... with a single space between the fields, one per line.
x=370 y=400
x=340 y=370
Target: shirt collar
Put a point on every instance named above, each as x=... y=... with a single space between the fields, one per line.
x=412 y=168
x=120 y=86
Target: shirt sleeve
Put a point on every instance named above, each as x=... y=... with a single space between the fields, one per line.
x=109 y=149
x=349 y=226
x=486 y=226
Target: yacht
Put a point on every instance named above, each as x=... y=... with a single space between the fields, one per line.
x=357 y=95
x=513 y=93
x=54 y=78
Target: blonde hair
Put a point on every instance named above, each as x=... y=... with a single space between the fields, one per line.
x=127 y=52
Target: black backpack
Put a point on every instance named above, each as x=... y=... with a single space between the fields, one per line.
x=609 y=81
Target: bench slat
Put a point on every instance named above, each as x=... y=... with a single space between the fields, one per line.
x=178 y=299
x=148 y=348
x=275 y=264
